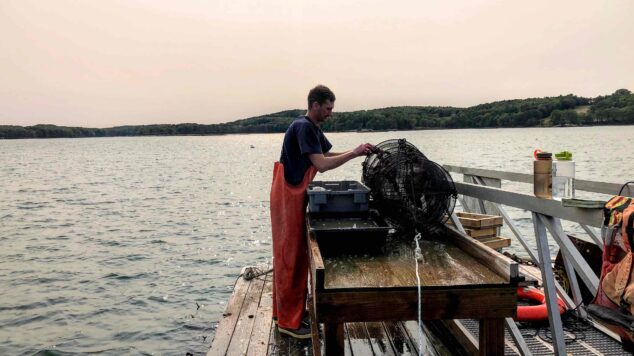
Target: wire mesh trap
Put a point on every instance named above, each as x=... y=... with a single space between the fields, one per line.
x=409 y=190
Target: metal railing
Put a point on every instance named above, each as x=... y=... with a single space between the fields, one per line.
x=546 y=216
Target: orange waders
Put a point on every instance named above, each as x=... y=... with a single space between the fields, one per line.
x=290 y=249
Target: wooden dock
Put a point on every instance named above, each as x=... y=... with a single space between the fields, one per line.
x=246 y=328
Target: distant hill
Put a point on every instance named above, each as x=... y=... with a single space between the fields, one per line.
x=563 y=110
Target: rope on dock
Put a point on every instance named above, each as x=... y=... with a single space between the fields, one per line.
x=252 y=272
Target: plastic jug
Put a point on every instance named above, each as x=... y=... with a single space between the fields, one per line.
x=563 y=176
x=542 y=174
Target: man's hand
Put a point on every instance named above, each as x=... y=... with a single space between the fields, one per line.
x=363 y=149
x=333 y=160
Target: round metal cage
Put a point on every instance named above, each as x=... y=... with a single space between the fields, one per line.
x=408 y=189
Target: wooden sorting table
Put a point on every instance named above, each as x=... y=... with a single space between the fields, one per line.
x=460 y=279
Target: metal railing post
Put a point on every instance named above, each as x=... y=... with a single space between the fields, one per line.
x=568 y=250
x=456 y=222
x=517 y=337
x=548 y=282
x=513 y=228
x=594 y=235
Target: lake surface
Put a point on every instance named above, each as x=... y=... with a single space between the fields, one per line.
x=132 y=245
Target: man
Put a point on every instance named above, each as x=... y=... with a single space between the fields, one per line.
x=305 y=151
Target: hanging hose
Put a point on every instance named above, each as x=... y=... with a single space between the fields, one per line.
x=418 y=257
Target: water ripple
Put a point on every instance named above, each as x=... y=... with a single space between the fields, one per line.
x=119 y=238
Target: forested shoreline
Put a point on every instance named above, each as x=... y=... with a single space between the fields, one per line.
x=563 y=110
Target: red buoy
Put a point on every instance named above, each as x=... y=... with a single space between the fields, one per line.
x=534 y=312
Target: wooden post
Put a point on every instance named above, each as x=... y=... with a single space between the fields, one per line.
x=491 y=336
x=333 y=339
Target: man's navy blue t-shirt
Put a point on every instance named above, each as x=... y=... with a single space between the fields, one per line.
x=301 y=139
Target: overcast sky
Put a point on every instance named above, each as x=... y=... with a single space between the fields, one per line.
x=106 y=63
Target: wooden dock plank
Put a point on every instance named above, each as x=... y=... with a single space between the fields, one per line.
x=452 y=331
x=433 y=343
x=358 y=339
x=247 y=329
x=272 y=346
x=410 y=330
x=244 y=326
x=379 y=339
x=227 y=325
x=347 y=345
x=400 y=340
x=259 y=342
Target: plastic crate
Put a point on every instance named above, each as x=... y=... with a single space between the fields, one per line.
x=337 y=197
x=361 y=234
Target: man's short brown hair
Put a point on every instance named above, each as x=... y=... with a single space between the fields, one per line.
x=320 y=94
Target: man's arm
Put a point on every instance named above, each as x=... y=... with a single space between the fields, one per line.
x=330 y=160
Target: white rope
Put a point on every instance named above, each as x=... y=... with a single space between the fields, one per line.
x=418 y=257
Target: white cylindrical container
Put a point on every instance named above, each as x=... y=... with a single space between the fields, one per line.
x=563 y=176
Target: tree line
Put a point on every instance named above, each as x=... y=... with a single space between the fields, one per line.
x=563 y=110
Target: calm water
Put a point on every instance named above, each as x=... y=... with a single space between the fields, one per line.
x=132 y=245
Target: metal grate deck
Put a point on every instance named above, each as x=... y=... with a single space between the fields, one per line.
x=582 y=339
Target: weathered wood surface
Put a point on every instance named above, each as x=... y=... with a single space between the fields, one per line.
x=443 y=264
x=486 y=232
x=246 y=323
x=491 y=337
x=453 y=332
x=479 y=221
x=460 y=278
x=316 y=262
x=358 y=337
x=393 y=305
x=239 y=334
x=495 y=242
x=224 y=332
x=259 y=340
x=486 y=256
x=244 y=326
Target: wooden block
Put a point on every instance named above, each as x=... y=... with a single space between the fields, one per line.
x=486 y=232
x=496 y=242
x=478 y=221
